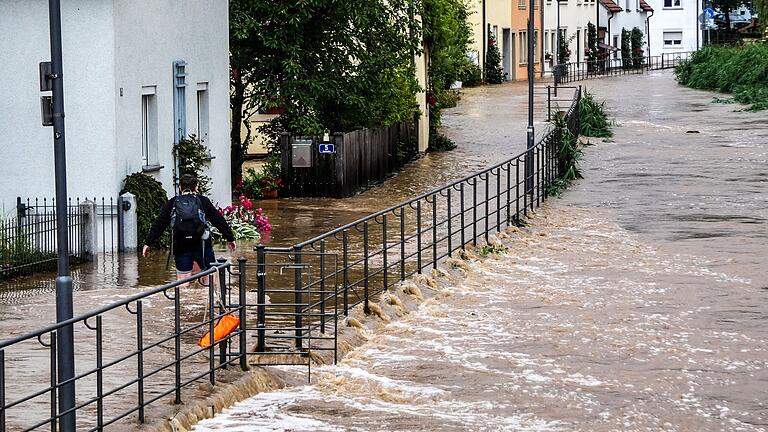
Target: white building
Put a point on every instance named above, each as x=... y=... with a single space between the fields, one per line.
x=674 y=26
x=574 y=18
x=623 y=14
x=133 y=71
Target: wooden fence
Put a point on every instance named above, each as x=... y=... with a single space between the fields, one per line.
x=361 y=157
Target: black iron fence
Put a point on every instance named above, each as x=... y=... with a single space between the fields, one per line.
x=139 y=358
x=578 y=71
x=346 y=162
x=130 y=356
x=28 y=233
x=302 y=290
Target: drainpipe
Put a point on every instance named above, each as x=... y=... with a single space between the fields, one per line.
x=696 y=20
x=541 y=59
x=609 y=29
x=648 y=34
x=485 y=42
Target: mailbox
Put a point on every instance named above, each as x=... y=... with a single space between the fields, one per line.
x=301 y=153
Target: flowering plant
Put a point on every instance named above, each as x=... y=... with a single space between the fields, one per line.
x=246 y=221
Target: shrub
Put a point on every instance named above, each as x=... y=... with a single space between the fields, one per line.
x=494 y=74
x=741 y=70
x=192 y=155
x=592 y=118
x=568 y=154
x=440 y=143
x=150 y=199
x=471 y=75
x=246 y=221
x=256 y=184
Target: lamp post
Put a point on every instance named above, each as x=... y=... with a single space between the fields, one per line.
x=530 y=143
x=64 y=336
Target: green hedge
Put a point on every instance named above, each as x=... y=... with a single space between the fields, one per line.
x=741 y=70
x=150 y=199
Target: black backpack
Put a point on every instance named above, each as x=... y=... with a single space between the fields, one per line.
x=188 y=218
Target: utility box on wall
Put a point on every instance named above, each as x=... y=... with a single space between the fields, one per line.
x=301 y=153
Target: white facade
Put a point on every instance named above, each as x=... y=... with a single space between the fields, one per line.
x=674 y=26
x=575 y=15
x=118 y=92
x=633 y=14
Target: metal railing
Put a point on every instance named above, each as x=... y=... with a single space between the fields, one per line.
x=578 y=71
x=303 y=290
x=129 y=356
x=28 y=235
x=132 y=354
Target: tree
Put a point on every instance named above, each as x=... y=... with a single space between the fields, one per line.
x=494 y=74
x=591 y=46
x=626 y=48
x=636 y=37
x=332 y=65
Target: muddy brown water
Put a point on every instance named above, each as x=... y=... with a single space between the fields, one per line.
x=29 y=304
x=636 y=301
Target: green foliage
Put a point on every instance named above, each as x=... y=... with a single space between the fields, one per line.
x=17 y=251
x=591 y=44
x=471 y=75
x=192 y=155
x=741 y=70
x=494 y=74
x=447 y=36
x=257 y=183
x=636 y=39
x=150 y=199
x=493 y=249
x=333 y=65
x=568 y=155
x=592 y=118
x=440 y=143
x=564 y=49
x=626 y=48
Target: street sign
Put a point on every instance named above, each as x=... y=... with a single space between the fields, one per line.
x=709 y=12
x=46 y=110
x=326 y=148
x=46 y=83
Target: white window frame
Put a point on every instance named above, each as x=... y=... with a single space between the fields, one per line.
x=149 y=153
x=522 y=37
x=674 y=43
x=203 y=112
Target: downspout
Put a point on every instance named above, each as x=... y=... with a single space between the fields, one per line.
x=541 y=29
x=485 y=42
x=696 y=20
x=648 y=34
x=608 y=33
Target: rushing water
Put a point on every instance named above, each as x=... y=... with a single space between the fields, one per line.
x=635 y=302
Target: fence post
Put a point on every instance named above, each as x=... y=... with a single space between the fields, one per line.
x=130 y=224
x=242 y=339
x=261 y=297
x=90 y=229
x=286 y=163
x=297 y=296
x=549 y=102
x=340 y=161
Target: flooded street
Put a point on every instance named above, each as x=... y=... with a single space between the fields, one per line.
x=637 y=301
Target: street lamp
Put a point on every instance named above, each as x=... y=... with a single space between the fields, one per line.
x=530 y=131
x=64 y=336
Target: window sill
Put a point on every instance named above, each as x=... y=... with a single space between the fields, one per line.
x=151 y=168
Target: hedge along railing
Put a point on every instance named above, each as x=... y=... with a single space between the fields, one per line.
x=361 y=157
x=331 y=273
x=128 y=356
x=578 y=71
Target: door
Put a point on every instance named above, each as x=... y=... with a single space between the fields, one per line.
x=505 y=53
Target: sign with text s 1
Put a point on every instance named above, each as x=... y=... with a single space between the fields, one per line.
x=326 y=148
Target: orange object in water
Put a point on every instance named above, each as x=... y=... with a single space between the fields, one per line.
x=226 y=325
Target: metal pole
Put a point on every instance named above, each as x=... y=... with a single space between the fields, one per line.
x=557 y=71
x=528 y=159
x=65 y=342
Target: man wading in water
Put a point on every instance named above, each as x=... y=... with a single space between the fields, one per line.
x=187 y=214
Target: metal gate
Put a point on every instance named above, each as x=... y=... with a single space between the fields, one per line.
x=297 y=306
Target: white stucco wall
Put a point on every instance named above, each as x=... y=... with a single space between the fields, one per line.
x=575 y=15
x=148 y=40
x=683 y=18
x=628 y=19
x=26 y=147
x=109 y=45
